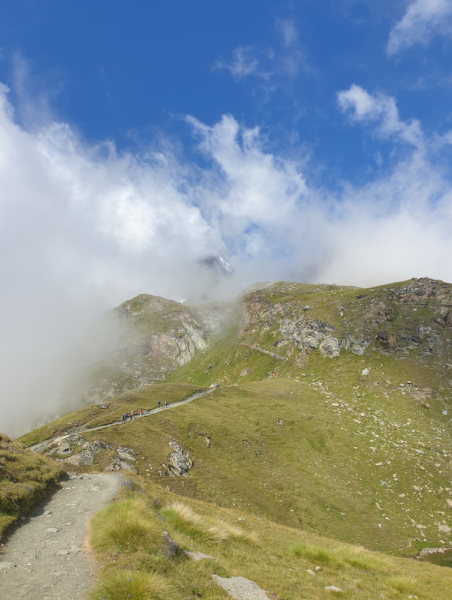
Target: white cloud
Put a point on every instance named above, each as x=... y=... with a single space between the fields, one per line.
x=422 y=20
x=380 y=110
x=84 y=227
x=288 y=31
x=243 y=63
x=269 y=66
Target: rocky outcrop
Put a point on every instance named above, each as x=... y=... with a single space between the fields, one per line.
x=84 y=458
x=180 y=461
x=156 y=336
x=117 y=464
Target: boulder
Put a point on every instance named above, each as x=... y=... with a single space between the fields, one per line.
x=120 y=465
x=64 y=448
x=180 y=460
x=124 y=455
x=329 y=347
x=170 y=546
x=82 y=459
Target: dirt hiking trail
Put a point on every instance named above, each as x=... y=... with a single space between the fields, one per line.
x=47 y=549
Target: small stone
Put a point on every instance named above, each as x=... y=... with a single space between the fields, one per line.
x=63 y=552
x=51 y=529
x=333 y=588
x=449 y=503
x=198 y=555
x=364 y=372
x=444 y=529
x=310 y=571
x=170 y=550
x=96 y=488
x=317 y=569
x=6 y=565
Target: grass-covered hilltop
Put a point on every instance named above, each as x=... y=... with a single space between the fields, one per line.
x=307 y=426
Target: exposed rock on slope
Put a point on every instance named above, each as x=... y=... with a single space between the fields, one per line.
x=158 y=336
x=180 y=461
x=416 y=315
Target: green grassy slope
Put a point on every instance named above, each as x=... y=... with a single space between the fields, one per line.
x=145 y=397
x=283 y=449
x=355 y=447
x=277 y=558
x=25 y=479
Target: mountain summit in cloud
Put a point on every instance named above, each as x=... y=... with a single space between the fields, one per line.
x=218 y=265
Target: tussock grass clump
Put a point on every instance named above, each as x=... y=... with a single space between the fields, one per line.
x=184 y=519
x=360 y=558
x=124 y=526
x=354 y=556
x=238 y=534
x=405 y=584
x=315 y=553
x=133 y=585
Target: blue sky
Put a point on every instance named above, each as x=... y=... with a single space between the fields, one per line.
x=310 y=140
x=286 y=132
x=127 y=71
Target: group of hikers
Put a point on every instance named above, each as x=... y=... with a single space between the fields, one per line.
x=129 y=416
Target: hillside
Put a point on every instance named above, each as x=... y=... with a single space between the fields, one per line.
x=25 y=479
x=331 y=415
x=153 y=337
x=126 y=538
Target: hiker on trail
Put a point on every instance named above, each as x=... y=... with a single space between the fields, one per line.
x=131 y=414
x=141 y=412
x=166 y=404
x=159 y=403
x=123 y=418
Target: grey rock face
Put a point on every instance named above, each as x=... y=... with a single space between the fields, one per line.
x=125 y=455
x=64 y=448
x=180 y=461
x=355 y=345
x=170 y=546
x=156 y=336
x=120 y=465
x=330 y=347
x=82 y=459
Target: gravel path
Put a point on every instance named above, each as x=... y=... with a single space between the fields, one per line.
x=153 y=411
x=43 y=446
x=47 y=549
